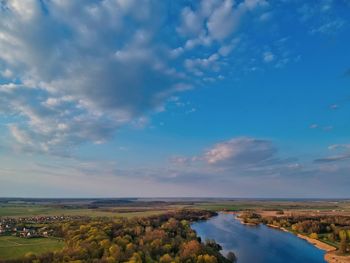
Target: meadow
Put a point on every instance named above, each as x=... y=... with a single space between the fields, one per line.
x=14 y=247
x=24 y=210
x=140 y=207
x=297 y=206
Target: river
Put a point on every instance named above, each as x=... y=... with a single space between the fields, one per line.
x=257 y=244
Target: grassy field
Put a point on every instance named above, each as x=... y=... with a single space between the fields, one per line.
x=15 y=247
x=145 y=209
x=343 y=206
x=38 y=210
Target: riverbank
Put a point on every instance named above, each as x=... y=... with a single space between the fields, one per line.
x=317 y=243
x=273 y=247
x=331 y=256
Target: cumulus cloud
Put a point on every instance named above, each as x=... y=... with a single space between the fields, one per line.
x=214 y=20
x=240 y=151
x=241 y=156
x=75 y=72
x=52 y=125
x=191 y=23
x=242 y=160
x=223 y=21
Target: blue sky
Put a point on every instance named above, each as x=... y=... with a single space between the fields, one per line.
x=174 y=98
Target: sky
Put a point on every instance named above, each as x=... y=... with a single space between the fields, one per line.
x=204 y=98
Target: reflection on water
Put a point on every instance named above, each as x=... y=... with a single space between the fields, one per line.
x=257 y=244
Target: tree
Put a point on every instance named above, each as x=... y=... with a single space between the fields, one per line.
x=190 y=249
x=166 y=259
x=115 y=252
x=343 y=246
x=129 y=250
x=231 y=257
x=30 y=256
x=211 y=243
x=331 y=237
x=136 y=258
x=314 y=235
x=165 y=238
x=206 y=259
x=342 y=235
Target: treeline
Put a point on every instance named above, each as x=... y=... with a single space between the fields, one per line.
x=250 y=217
x=166 y=238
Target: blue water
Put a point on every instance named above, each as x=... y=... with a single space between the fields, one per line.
x=257 y=244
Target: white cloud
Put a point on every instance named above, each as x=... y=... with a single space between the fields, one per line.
x=322 y=17
x=7 y=73
x=223 y=21
x=268 y=56
x=335 y=158
x=225 y=50
x=330 y=27
x=191 y=22
x=339 y=146
x=76 y=72
x=265 y=16
x=240 y=151
x=80 y=67
x=19 y=135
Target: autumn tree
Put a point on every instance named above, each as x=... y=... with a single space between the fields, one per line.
x=343 y=246
x=166 y=259
x=190 y=249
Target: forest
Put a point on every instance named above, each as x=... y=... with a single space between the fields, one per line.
x=165 y=238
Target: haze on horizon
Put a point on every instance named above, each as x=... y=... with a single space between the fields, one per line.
x=211 y=98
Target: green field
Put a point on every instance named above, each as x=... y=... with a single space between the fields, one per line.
x=37 y=210
x=238 y=205
x=145 y=209
x=15 y=247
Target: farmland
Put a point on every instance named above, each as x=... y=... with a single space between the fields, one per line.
x=38 y=210
x=146 y=207
x=15 y=247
